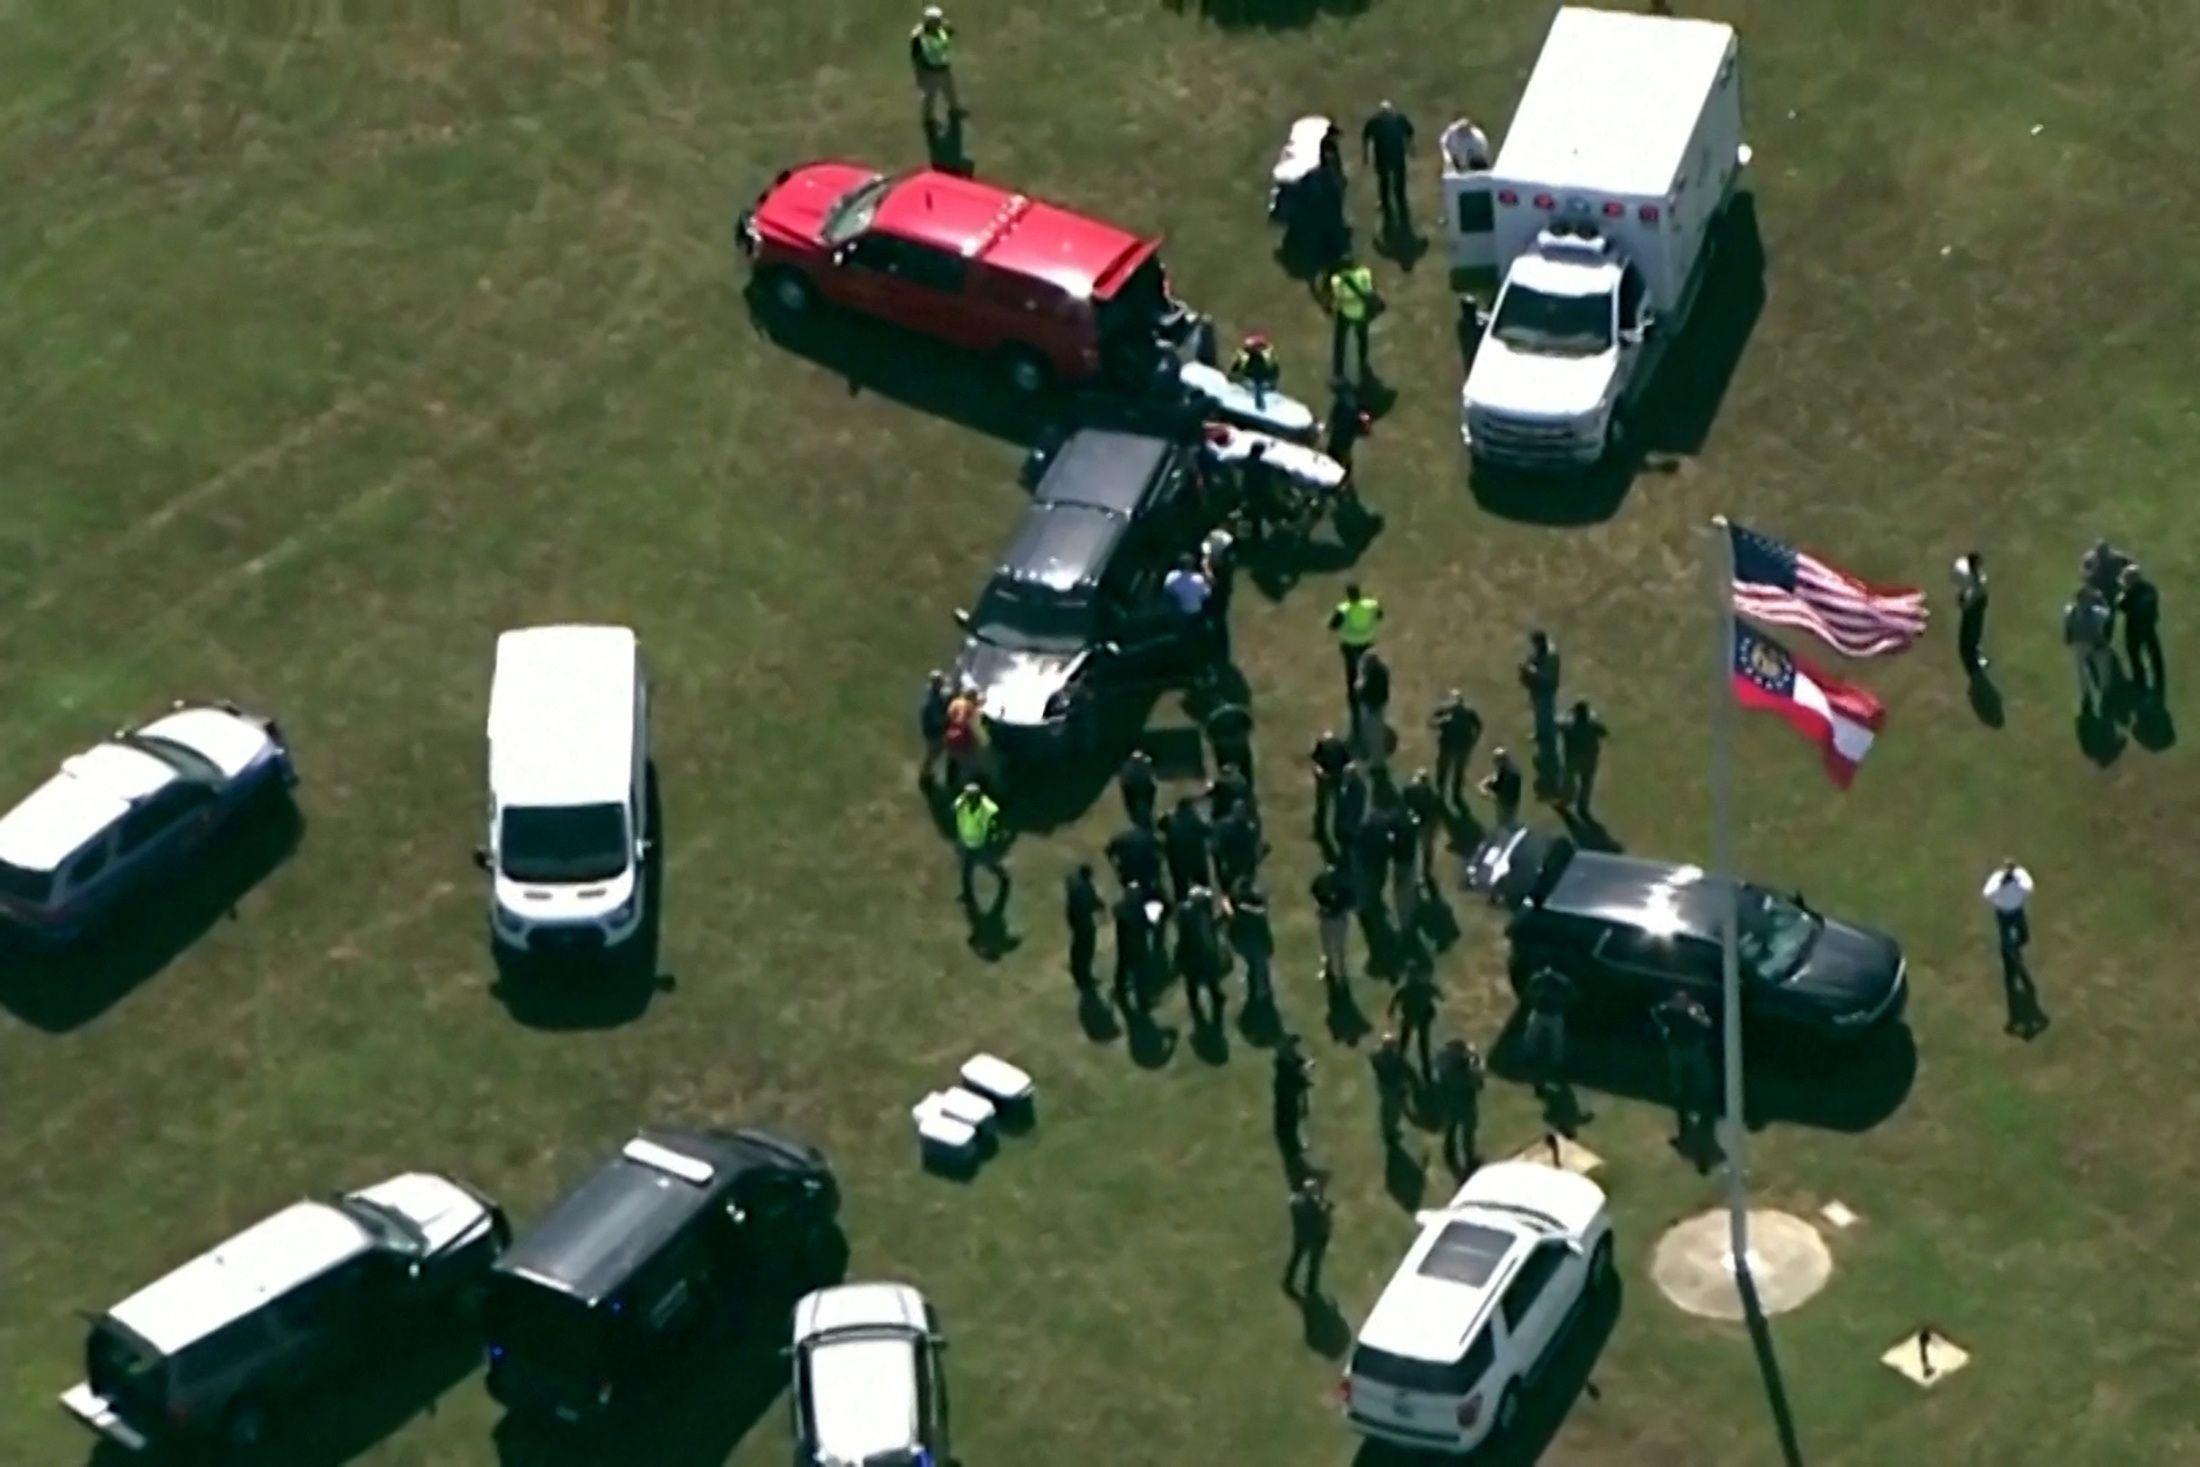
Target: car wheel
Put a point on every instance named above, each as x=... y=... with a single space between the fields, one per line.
x=790 y=292
x=1508 y=1412
x=1027 y=372
x=245 y=1425
x=1600 y=1264
x=823 y=1255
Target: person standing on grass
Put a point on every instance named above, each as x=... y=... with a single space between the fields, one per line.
x=1138 y=786
x=1371 y=859
x=1187 y=840
x=1334 y=901
x=1348 y=422
x=1351 y=810
x=1393 y=1083
x=1353 y=302
x=1237 y=846
x=932 y=724
x=1582 y=739
x=1539 y=676
x=1081 y=908
x=1227 y=793
x=1386 y=140
x=1136 y=937
x=977 y=841
x=1684 y=1029
x=1135 y=856
x=1427 y=814
x=1199 y=955
x=1312 y=1219
x=1405 y=863
x=1414 y=1007
x=1970 y=578
x=1255 y=942
x=2141 y=605
x=1370 y=707
x=1329 y=758
x=932 y=58
x=2008 y=891
x=1291 y=1081
x=1356 y=620
x=1458 y=728
x=1229 y=729
x=1503 y=788
x=1459 y=1096
x=2087 y=627
x=1549 y=993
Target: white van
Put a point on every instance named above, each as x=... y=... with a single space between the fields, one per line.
x=569 y=828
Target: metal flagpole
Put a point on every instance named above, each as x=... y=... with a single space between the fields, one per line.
x=1726 y=883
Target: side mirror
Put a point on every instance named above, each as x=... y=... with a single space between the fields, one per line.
x=481 y=857
x=1112 y=648
x=840 y=255
x=962 y=617
x=412 y=1270
x=643 y=849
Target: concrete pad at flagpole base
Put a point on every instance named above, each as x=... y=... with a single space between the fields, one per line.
x=1693 y=1267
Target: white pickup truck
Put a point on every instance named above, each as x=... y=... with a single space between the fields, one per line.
x=1599 y=215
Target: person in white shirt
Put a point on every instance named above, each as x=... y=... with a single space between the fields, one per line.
x=1187 y=589
x=2008 y=889
x=1969 y=573
x=1466 y=148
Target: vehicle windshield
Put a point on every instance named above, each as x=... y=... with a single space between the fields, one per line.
x=25 y=885
x=1565 y=325
x=853 y=212
x=1773 y=936
x=550 y=1332
x=1434 y=1377
x=391 y=1228
x=188 y=762
x=564 y=842
x=1021 y=617
x=126 y=1370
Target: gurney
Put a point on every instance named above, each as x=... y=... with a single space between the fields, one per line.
x=1309 y=468
x=1268 y=412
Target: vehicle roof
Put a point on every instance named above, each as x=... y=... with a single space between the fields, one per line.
x=859 y=1306
x=1654 y=894
x=1570 y=275
x=1427 y=1317
x=1613 y=102
x=561 y=715
x=1062 y=546
x=863 y=1396
x=233 y=1278
x=1104 y=468
x=90 y=792
x=1010 y=231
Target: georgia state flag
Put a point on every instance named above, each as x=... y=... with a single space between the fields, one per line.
x=1839 y=717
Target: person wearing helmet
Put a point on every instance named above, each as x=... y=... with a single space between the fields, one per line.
x=932 y=55
x=1256 y=366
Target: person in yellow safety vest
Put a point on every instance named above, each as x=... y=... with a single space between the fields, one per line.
x=931 y=55
x=1353 y=302
x=1256 y=366
x=977 y=843
x=1355 y=622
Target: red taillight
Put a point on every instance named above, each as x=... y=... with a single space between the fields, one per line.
x=1470 y=1410
x=1344 y=1390
x=1507 y=197
x=1545 y=202
x=1613 y=208
x=1648 y=213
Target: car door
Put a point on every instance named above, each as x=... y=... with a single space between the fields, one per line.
x=936 y=298
x=1537 y=1301
x=864 y=276
x=161 y=827
x=82 y=883
x=1637 y=969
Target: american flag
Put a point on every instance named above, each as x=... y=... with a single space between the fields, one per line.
x=1776 y=582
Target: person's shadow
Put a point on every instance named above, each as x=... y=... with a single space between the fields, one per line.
x=1260 y=1024
x=1347 y=1025
x=1210 y=1040
x=943 y=145
x=2099 y=737
x=1986 y=701
x=1325 y=1331
x=1405 y=1177
x=1401 y=244
x=1096 y=1017
x=1151 y=1045
x=990 y=938
x=2152 y=728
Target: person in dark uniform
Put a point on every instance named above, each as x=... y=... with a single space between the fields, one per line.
x=1137 y=782
x=1405 y=862
x=1227 y=793
x=1970 y=580
x=1414 y=1007
x=2141 y=606
x=1549 y=993
x=1427 y=811
x=1387 y=141
x=1135 y=856
x=1370 y=710
x=1458 y=728
x=1582 y=736
x=1684 y=1028
x=1312 y=1220
x=1459 y=1094
x=1334 y=901
x=1082 y=906
x=1503 y=788
x=1291 y=1081
x=1351 y=808
x=1539 y=677
x=1237 y=846
x=1329 y=758
x=1230 y=735
x=932 y=724
x=1393 y=1082
x=1255 y=942
x=1347 y=424
x=1135 y=936
x=1185 y=837
x=1371 y=858
x=1199 y=955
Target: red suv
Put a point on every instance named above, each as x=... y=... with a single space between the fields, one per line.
x=1056 y=296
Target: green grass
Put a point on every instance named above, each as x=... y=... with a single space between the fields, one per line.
x=331 y=348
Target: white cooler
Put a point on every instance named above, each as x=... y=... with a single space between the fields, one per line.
x=1009 y=1088
x=942 y=1140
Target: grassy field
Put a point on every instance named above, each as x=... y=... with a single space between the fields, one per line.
x=331 y=344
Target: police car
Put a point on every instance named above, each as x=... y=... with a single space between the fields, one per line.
x=125 y=811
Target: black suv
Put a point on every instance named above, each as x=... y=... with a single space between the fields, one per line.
x=1072 y=613
x=680 y=1229
x=1629 y=932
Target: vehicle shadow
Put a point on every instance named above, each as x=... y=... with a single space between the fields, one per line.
x=1272 y=15
x=1678 y=406
x=67 y=988
x=1790 y=1079
x=595 y=990
x=347 y=1421
x=873 y=357
x=696 y=1414
x=1545 y=1407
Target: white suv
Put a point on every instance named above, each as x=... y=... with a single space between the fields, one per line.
x=1483 y=1296
x=868 y=1387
